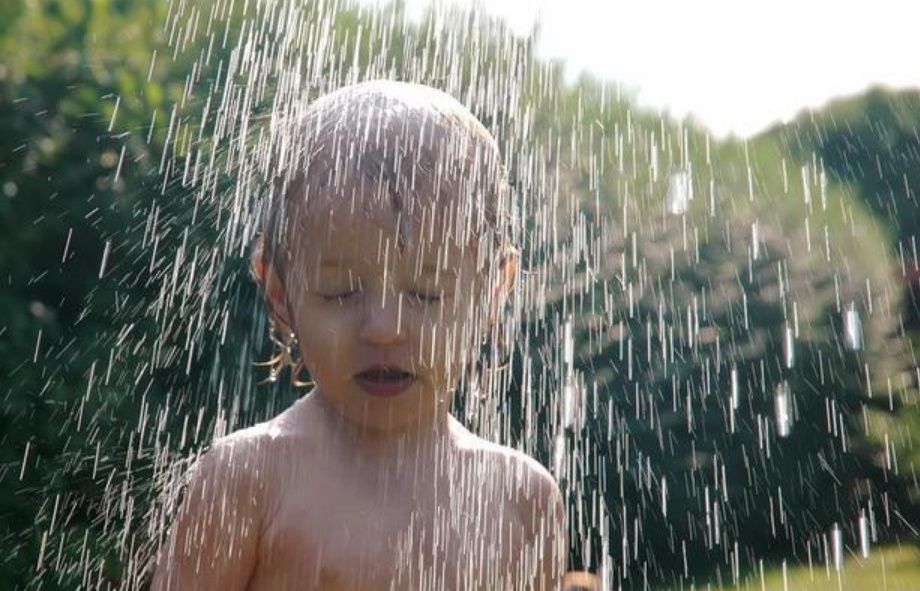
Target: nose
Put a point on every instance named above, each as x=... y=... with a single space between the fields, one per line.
x=383 y=322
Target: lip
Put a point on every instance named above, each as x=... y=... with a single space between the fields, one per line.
x=387 y=388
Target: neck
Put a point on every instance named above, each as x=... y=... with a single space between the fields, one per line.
x=423 y=439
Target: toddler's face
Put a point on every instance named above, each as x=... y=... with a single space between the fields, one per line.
x=386 y=308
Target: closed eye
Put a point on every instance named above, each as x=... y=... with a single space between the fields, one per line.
x=338 y=296
x=427 y=298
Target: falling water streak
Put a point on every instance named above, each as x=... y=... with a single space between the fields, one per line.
x=782 y=406
x=853 y=328
x=864 y=542
x=789 y=347
x=680 y=192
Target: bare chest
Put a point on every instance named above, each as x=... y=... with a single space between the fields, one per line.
x=358 y=531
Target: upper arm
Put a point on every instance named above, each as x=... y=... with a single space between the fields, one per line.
x=543 y=513
x=555 y=548
x=213 y=542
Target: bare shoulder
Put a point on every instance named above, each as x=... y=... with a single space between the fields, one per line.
x=240 y=453
x=519 y=468
x=213 y=540
x=247 y=464
x=260 y=442
x=533 y=489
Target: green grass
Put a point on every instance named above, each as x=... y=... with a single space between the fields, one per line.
x=894 y=568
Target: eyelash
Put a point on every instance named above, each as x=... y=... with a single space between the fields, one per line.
x=427 y=299
x=338 y=297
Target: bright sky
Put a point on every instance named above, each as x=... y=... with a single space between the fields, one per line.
x=736 y=65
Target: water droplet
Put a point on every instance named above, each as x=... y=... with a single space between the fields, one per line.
x=680 y=191
x=853 y=328
x=789 y=346
x=837 y=547
x=782 y=406
x=864 y=541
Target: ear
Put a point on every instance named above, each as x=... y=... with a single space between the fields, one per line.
x=508 y=261
x=270 y=285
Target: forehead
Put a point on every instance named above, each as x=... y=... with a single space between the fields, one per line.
x=371 y=224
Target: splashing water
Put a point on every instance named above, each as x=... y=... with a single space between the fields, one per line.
x=677 y=363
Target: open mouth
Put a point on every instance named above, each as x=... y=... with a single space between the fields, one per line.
x=384 y=381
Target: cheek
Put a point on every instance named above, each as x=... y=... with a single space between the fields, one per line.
x=324 y=338
x=447 y=339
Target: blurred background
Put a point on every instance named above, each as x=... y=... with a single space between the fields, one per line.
x=717 y=352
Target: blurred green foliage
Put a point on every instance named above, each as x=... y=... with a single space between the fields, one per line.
x=896 y=568
x=74 y=112
x=697 y=480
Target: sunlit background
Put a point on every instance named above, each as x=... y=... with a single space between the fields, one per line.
x=736 y=66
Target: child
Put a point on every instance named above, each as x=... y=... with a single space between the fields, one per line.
x=384 y=262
